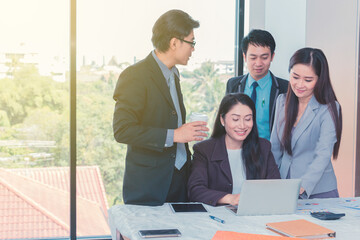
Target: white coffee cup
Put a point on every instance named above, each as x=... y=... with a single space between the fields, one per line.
x=195 y=116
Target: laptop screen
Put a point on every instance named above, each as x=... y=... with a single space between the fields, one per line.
x=268 y=197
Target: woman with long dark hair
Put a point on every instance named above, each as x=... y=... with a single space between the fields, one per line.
x=232 y=154
x=308 y=125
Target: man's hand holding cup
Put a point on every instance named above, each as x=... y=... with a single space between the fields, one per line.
x=195 y=130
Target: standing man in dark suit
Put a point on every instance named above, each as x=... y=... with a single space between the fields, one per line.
x=150 y=115
x=260 y=84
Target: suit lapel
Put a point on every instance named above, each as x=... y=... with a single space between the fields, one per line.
x=220 y=154
x=274 y=92
x=307 y=117
x=242 y=83
x=158 y=78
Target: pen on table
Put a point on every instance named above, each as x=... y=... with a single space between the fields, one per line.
x=357 y=208
x=217 y=219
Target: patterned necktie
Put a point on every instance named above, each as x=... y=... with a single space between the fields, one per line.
x=253 y=94
x=180 y=150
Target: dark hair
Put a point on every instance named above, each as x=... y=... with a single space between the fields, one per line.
x=251 y=149
x=257 y=38
x=172 y=24
x=323 y=92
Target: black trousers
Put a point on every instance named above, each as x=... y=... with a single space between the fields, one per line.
x=178 y=187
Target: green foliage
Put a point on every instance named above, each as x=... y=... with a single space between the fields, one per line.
x=28 y=90
x=32 y=107
x=203 y=90
x=4 y=120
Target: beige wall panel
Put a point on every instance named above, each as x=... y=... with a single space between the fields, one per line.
x=333 y=26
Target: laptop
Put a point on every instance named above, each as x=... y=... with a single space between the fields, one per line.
x=267 y=197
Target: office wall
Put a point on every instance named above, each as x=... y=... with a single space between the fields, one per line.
x=286 y=21
x=332 y=26
x=336 y=31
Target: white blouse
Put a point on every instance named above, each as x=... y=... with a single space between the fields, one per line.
x=237 y=168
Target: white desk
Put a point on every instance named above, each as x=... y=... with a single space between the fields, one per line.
x=129 y=219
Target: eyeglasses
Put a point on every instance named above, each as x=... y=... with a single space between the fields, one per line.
x=191 y=43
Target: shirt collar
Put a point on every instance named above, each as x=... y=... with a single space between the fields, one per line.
x=164 y=69
x=262 y=82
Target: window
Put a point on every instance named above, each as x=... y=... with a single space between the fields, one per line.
x=34 y=119
x=34 y=102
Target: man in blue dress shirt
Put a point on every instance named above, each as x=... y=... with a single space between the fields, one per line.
x=260 y=84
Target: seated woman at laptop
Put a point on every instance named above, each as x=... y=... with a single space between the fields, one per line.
x=307 y=126
x=232 y=154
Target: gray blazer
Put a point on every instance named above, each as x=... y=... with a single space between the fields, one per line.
x=312 y=146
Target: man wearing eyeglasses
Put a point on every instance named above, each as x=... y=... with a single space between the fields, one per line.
x=260 y=84
x=150 y=115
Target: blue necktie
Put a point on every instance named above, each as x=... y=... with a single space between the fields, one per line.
x=253 y=94
x=180 y=150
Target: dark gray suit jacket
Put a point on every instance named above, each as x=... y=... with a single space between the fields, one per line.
x=144 y=111
x=279 y=86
